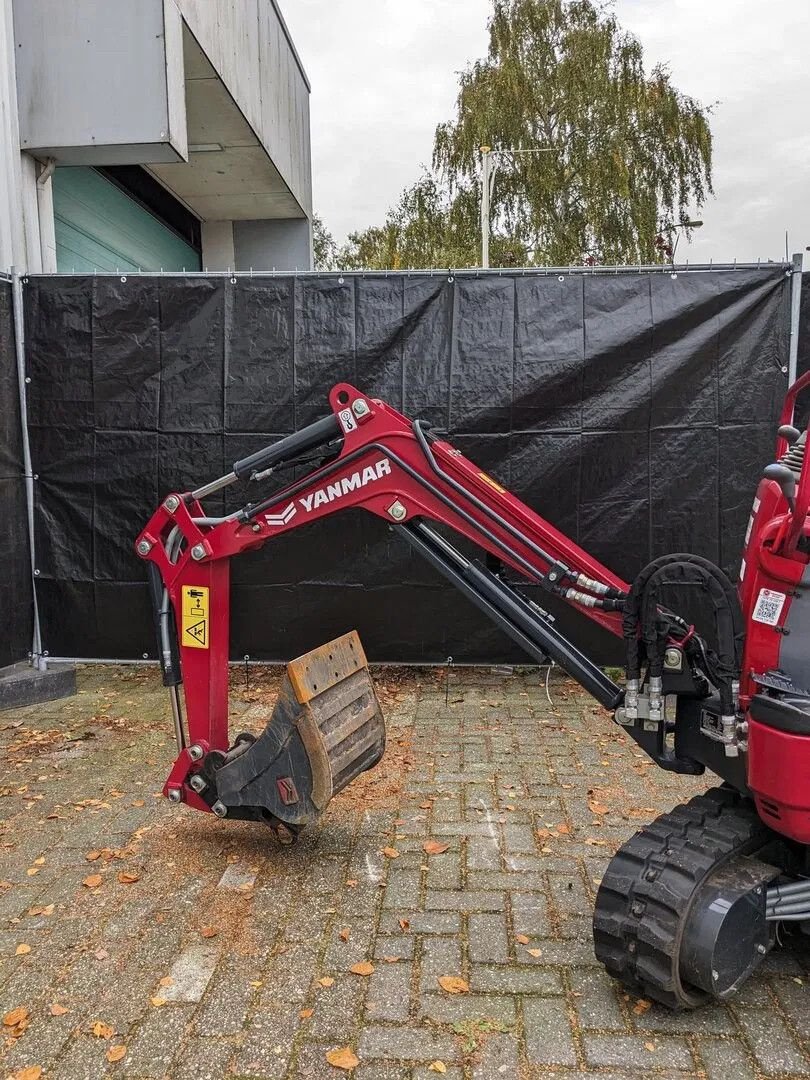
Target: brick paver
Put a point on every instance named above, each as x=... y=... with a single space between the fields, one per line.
x=206 y=951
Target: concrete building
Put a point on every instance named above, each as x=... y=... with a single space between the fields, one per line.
x=152 y=135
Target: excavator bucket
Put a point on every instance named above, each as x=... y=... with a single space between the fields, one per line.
x=326 y=728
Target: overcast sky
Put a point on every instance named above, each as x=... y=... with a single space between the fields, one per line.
x=383 y=74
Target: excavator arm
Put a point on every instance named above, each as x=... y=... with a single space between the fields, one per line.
x=686 y=908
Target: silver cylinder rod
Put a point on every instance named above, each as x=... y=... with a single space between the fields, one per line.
x=215 y=485
x=775 y=891
x=177 y=717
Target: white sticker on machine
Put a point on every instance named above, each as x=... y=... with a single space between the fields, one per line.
x=347 y=420
x=769 y=607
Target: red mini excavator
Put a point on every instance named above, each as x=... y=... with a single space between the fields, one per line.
x=690 y=905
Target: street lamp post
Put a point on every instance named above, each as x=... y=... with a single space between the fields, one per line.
x=681 y=225
x=488 y=171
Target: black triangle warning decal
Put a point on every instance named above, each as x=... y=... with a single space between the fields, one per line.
x=198 y=631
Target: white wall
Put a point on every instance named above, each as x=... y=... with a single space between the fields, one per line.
x=248 y=45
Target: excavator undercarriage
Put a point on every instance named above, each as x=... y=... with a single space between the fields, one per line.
x=691 y=904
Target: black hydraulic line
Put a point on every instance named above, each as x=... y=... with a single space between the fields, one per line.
x=482 y=506
x=165 y=628
x=511 y=612
x=298 y=443
x=249 y=513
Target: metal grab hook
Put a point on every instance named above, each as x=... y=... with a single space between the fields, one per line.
x=448 y=664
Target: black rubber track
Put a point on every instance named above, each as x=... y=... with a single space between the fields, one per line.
x=647 y=890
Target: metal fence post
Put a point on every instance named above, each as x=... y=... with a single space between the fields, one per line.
x=795 y=311
x=39 y=660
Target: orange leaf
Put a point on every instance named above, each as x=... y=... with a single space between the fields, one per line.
x=209 y=932
x=390 y=852
x=101 y=1030
x=453 y=984
x=437 y=1067
x=58 y=1010
x=16 y=1016
x=326 y=981
x=47 y=910
x=435 y=847
x=535 y=952
x=21 y=950
x=93 y=881
x=391 y=959
x=351 y=882
x=363 y=968
x=404 y=924
x=128 y=877
x=91 y=856
x=306 y=1013
x=157 y=1001
x=31 y=1072
x=115 y=1053
x=344 y=934
x=650 y=1046
x=344 y=1058
x=564 y=829
x=641 y=1006
x=521 y=939
x=167 y=980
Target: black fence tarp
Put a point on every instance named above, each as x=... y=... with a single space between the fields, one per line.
x=633 y=410
x=16 y=605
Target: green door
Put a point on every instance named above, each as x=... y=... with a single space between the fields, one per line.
x=99 y=227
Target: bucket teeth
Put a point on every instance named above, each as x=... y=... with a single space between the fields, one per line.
x=327 y=727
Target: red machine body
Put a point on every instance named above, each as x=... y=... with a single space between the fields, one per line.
x=381 y=461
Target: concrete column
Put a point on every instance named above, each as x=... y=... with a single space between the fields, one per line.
x=282 y=244
x=217 y=245
x=12 y=233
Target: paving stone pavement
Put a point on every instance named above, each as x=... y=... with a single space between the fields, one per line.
x=205 y=951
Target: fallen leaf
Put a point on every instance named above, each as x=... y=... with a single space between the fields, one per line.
x=115 y=1053
x=256 y=983
x=390 y=852
x=425 y=805
x=30 y=872
x=137 y=802
x=167 y=980
x=326 y=981
x=16 y=1016
x=306 y=1013
x=453 y=984
x=58 y=1010
x=128 y=877
x=404 y=924
x=91 y=856
x=641 y=1006
x=535 y=952
x=598 y=808
x=344 y=934
x=40 y=861
x=437 y=1067
x=363 y=968
x=351 y=883
x=101 y=954
x=31 y=1072
x=435 y=847
x=48 y=909
x=521 y=939
x=157 y=1001
x=344 y=1058
x=650 y=1046
x=208 y=932
x=93 y=881
x=391 y=959
x=563 y=829
x=102 y=1030
x=21 y=950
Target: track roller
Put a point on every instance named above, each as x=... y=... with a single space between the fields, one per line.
x=680 y=912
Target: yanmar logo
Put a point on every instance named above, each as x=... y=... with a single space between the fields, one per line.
x=346 y=484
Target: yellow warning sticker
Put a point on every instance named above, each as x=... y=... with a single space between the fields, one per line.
x=195 y=616
x=492 y=483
